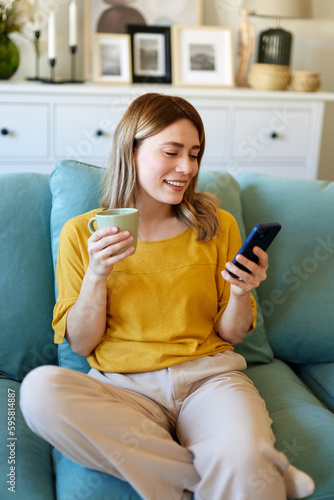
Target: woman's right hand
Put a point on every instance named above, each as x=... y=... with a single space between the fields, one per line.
x=102 y=246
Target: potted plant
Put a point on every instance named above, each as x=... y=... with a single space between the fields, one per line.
x=13 y=16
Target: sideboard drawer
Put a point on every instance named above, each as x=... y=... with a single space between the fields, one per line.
x=275 y=134
x=85 y=131
x=215 y=121
x=23 y=130
x=278 y=133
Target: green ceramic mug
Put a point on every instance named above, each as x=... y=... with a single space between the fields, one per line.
x=126 y=219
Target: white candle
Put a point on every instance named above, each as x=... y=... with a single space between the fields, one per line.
x=36 y=14
x=73 y=24
x=52 y=36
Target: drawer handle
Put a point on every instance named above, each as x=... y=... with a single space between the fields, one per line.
x=274 y=135
x=99 y=132
x=4 y=131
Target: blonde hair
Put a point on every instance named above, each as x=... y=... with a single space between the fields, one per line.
x=148 y=115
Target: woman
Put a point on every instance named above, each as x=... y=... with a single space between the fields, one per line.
x=165 y=395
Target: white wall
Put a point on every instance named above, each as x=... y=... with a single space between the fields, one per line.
x=313 y=49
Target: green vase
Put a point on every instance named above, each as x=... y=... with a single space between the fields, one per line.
x=9 y=57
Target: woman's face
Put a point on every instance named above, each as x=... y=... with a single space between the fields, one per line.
x=166 y=163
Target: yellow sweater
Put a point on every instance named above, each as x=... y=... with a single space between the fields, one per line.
x=164 y=302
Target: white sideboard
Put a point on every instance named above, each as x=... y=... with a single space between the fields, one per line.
x=278 y=133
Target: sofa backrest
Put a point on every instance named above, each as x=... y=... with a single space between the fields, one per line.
x=75 y=190
x=297 y=299
x=26 y=278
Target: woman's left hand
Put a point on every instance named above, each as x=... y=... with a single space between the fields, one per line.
x=246 y=281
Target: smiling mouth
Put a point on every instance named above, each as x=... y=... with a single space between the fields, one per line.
x=175 y=183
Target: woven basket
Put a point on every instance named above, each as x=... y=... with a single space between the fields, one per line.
x=305 y=81
x=268 y=76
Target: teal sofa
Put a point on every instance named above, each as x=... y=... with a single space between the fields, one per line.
x=290 y=354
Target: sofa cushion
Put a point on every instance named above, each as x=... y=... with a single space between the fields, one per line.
x=320 y=378
x=73 y=481
x=26 y=291
x=301 y=424
x=298 y=295
x=75 y=190
x=26 y=460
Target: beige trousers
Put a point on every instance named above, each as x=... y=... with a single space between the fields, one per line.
x=199 y=426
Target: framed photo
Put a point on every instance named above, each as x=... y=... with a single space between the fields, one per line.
x=151 y=53
x=202 y=56
x=102 y=16
x=112 y=59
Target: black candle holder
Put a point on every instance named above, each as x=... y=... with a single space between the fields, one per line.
x=37 y=35
x=52 y=63
x=73 y=51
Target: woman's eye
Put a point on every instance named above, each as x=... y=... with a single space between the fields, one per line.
x=169 y=153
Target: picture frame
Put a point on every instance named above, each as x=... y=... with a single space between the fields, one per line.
x=202 y=56
x=112 y=58
x=98 y=19
x=150 y=53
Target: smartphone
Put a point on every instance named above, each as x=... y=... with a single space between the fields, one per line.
x=262 y=235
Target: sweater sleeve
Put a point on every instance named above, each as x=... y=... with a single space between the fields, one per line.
x=69 y=276
x=230 y=232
